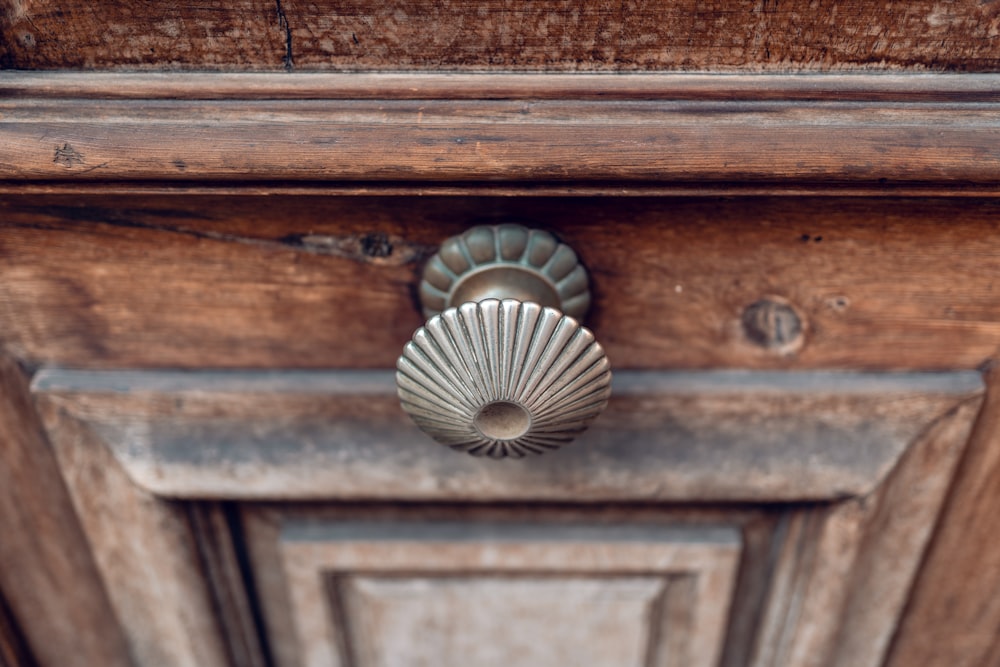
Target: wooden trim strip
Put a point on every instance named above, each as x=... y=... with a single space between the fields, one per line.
x=496 y=189
x=826 y=132
x=914 y=87
x=341 y=434
x=146 y=553
x=381 y=383
x=953 y=615
x=843 y=573
x=49 y=578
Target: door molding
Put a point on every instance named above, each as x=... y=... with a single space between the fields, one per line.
x=555 y=133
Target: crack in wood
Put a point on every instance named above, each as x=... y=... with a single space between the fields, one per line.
x=374 y=247
x=287 y=60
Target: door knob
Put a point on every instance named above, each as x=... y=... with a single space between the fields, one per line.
x=502 y=367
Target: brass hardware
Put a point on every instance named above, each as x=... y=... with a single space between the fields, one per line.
x=502 y=367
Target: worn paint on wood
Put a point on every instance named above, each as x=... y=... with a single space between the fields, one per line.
x=761 y=536
x=145 y=553
x=214 y=528
x=953 y=616
x=700 y=437
x=456 y=619
x=845 y=571
x=379 y=567
x=465 y=34
x=47 y=574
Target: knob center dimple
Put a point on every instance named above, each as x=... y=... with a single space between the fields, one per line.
x=502 y=420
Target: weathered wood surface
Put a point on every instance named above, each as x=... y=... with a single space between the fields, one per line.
x=762 y=532
x=428 y=621
x=654 y=141
x=463 y=34
x=315 y=282
x=845 y=571
x=48 y=577
x=508 y=133
x=219 y=541
x=763 y=437
x=330 y=587
x=242 y=34
x=953 y=616
x=145 y=553
x=13 y=650
x=827 y=87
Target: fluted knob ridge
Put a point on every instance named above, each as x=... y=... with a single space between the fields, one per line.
x=503 y=378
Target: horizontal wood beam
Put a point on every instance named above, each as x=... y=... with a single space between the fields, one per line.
x=831 y=131
x=911 y=87
x=674 y=437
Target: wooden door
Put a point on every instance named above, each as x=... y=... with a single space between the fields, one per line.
x=201 y=301
x=282 y=516
x=646 y=542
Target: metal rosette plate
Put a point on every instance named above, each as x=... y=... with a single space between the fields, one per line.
x=505 y=261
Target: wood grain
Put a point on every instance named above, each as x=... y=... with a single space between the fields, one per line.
x=54 y=35
x=846 y=570
x=47 y=575
x=145 y=552
x=13 y=650
x=764 y=437
x=899 y=522
x=651 y=141
x=512 y=133
x=827 y=87
x=953 y=616
x=461 y=34
x=327 y=282
x=219 y=545
x=762 y=536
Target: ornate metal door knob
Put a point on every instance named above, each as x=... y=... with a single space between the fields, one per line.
x=502 y=367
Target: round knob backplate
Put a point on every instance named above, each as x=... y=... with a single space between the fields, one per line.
x=505 y=262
